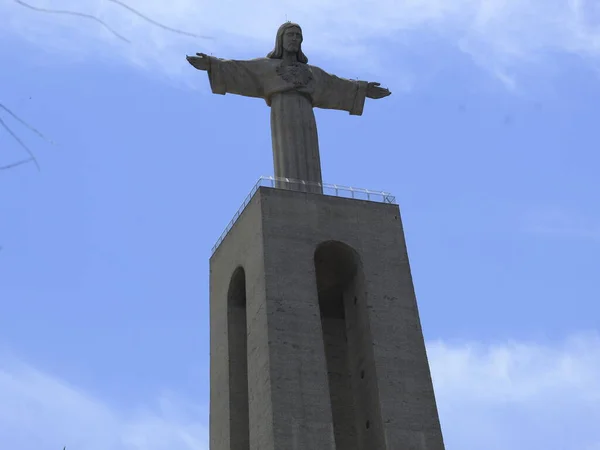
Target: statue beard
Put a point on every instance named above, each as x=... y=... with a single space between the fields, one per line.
x=293 y=49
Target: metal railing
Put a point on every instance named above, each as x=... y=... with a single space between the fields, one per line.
x=334 y=190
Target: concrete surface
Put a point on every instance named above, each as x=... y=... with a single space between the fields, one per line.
x=316 y=341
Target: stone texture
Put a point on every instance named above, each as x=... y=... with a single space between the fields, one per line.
x=335 y=352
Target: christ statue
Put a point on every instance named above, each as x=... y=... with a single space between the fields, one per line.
x=292 y=88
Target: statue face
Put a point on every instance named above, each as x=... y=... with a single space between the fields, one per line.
x=292 y=38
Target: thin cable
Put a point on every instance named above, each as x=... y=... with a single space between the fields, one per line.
x=72 y=13
x=36 y=131
x=153 y=22
x=20 y=142
x=19 y=163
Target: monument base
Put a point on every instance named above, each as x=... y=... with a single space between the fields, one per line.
x=316 y=342
x=298 y=186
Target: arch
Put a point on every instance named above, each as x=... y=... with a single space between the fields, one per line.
x=348 y=347
x=237 y=337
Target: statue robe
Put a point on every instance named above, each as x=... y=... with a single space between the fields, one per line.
x=292 y=90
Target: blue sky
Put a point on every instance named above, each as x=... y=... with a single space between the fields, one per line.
x=489 y=143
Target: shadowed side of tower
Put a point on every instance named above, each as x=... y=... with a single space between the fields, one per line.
x=317 y=292
x=347 y=340
x=237 y=347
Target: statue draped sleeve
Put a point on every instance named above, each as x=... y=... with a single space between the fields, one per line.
x=236 y=77
x=333 y=92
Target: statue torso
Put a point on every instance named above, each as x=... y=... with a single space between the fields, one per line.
x=297 y=74
x=288 y=77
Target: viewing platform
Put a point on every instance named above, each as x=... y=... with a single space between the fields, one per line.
x=334 y=190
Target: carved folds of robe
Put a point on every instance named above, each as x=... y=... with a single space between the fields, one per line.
x=292 y=90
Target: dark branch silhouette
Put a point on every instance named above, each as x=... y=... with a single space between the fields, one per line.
x=73 y=13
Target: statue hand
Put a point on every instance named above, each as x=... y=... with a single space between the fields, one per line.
x=374 y=91
x=201 y=61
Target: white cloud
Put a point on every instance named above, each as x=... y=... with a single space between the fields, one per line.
x=39 y=410
x=561 y=223
x=518 y=396
x=500 y=35
x=508 y=396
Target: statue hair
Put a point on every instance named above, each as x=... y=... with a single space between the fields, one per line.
x=277 y=52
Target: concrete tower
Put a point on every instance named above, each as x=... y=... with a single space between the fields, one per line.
x=316 y=342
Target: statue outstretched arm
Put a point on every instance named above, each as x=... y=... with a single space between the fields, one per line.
x=201 y=61
x=333 y=92
x=375 y=91
x=230 y=76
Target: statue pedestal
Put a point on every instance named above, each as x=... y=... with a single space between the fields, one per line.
x=316 y=341
x=298 y=186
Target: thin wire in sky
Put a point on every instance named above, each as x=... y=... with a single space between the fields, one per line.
x=16 y=138
x=73 y=13
x=25 y=124
x=153 y=22
x=13 y=134
x=105 y=25
x=18 y=163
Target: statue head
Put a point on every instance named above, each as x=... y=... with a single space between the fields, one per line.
x=289 y=39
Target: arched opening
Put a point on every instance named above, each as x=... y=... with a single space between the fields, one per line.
x=238 y=361
x=348 y=348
